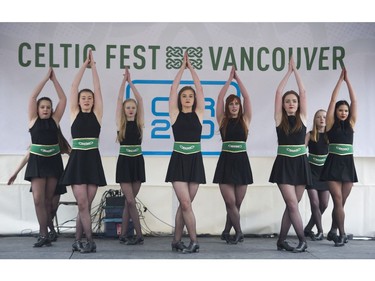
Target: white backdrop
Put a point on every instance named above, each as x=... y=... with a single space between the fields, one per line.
x=153 y=51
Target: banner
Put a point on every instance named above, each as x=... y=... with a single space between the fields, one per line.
x=153 y=53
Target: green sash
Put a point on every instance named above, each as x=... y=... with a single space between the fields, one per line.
x=187 y=147
x=130 y=150
x=291 y=150
x=45 y=150
x=340 y=148
x=85 y=143
x=316 y=159
x=234 y=146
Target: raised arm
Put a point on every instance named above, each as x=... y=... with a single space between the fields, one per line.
x=138 y=98
x=61 y=105
x=246 y=99
x=98 y=108
x=279 y=95
x=198 y=90
x=22 y=164
x=173 y=97
x=330 y=116
x=120 y=100
x=33 y=108
x=74 y=104
x=301 y=92
x=353 y=99
x=220 y=104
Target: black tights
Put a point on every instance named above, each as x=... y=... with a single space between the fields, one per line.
x=291 y=195
x=318 y=204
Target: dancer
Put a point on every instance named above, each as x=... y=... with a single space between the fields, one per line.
x=339 y=168
x=186 y=169
x=233 y=172
x=317 y=143
x=84 y=170
x=130 y=168
x=291 y=169
x=64 y=149
x=44 y=166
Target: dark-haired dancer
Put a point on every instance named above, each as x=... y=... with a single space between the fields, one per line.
x=60 y=189
x=339 y=169
x=233 y=172
x=45 y=165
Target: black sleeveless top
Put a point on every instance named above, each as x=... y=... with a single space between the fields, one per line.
x=233 y=168
x=45 y=132
x=131 y=169
x=340 y=167
x=187 y=128
x=320 y=147
x=85 y=126
x=291 y=170
x=132 y=134
x=295 y=138
x=186 y=168
x=84 y=166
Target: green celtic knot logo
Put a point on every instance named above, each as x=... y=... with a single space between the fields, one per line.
x=176 y=54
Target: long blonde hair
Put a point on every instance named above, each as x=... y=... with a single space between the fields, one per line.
x=124 y=121
x=314 y=135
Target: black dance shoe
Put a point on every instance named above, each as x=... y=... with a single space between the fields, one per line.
x=193 y=248
x=340 y=241
x=225 y=236
x=136 y=241
x=42 y=241
x=52 y=236
x=331 y=236
x=309 y=233
x=346 y=239
x=77 y=246
x=283 y=245
x=302 y=246
x=123 y=239
x=319 y=236
x=238 y=238
x=90 y=247
x=178 y=246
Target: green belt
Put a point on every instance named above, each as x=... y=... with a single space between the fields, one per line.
x=130 y=150
x=340 y=149
x=316 y=159
x=291 y=150
x=45 y=150
x=234 y=146
x=85 y=143
x=187 y=147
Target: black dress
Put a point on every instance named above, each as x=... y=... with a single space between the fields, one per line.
x=84 y=166
x=318 y=148
x=186 y=167
x=131 y=169
x=233 y=168
x=340 y=167
x=44 y=132
x=291 y=170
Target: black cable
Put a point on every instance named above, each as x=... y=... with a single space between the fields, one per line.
x=148 y=210
x=71 y=254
